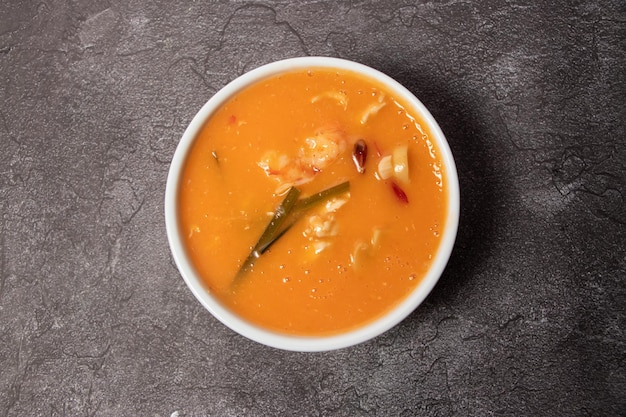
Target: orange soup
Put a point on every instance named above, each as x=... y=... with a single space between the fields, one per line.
x=312 y=202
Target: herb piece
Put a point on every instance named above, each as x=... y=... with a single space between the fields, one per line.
x=399 y=192
x=359 y=155
x=271 y=232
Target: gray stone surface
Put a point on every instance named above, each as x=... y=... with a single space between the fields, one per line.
x=529 y=317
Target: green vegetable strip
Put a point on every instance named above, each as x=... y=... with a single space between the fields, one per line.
x=302 y=206
x=293 y=209
x=313 y=200
x=268 y=235
x=278 y=235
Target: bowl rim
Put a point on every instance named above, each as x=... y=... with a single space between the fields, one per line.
x=275 y=339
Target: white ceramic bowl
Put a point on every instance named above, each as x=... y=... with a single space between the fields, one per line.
x=290 y=342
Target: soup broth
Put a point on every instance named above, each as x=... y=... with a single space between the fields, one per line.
x=343 y=261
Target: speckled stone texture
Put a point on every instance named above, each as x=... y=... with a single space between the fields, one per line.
x=528 y=318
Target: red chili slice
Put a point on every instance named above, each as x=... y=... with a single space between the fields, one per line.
x=399 y=192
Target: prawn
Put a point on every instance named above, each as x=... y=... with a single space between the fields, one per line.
x=316 y=152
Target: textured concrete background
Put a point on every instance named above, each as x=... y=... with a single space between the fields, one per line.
x=529 y=317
